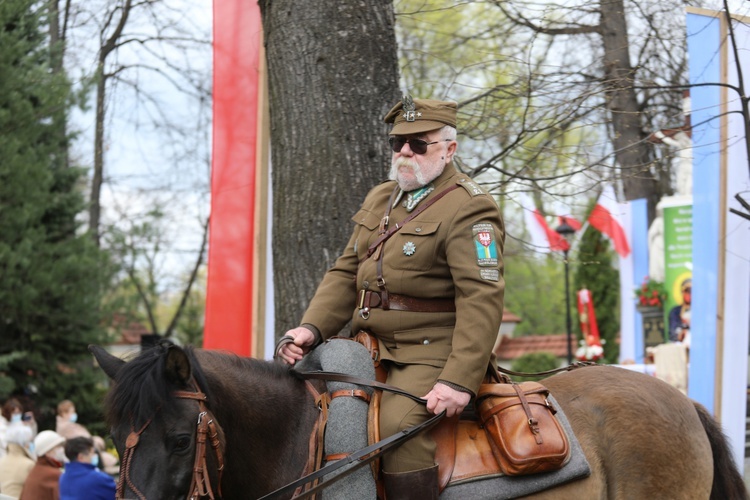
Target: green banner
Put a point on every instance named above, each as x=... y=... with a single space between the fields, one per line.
x=678 y=255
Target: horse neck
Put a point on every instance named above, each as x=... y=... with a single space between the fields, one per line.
x=267 y=417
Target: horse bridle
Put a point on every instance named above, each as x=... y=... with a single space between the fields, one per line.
x=207 y=428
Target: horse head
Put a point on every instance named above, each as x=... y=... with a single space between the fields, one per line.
x=159 y=412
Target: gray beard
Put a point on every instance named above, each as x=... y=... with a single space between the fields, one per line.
x=420 y=178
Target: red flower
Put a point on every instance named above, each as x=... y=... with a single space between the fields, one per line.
x=651 y=293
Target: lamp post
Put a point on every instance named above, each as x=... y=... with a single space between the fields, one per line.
x=567 y=232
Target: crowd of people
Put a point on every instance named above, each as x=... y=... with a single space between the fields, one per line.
x=67 y=463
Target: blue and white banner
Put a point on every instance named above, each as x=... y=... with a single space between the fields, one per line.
x=720 y=324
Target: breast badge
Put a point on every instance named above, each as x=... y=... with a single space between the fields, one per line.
x=409 y=248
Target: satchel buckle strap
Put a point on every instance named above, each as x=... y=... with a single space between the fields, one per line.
x=533 y=423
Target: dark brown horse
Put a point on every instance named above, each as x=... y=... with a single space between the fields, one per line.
x=642 y=438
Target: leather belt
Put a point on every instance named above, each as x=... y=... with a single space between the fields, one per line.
x=368 y=299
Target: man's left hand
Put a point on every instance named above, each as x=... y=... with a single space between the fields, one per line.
x=442 y=397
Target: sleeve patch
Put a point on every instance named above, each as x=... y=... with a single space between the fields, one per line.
x=489 y=274
x=484 y=243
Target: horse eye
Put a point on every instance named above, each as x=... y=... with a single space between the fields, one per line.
x=182 y=443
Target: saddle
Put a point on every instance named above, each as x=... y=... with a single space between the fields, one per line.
x=509 y=429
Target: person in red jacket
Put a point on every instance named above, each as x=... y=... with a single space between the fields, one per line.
x=43 y=480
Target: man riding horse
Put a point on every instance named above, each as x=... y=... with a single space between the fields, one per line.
x=426 y=281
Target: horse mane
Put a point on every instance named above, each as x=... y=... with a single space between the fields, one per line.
x=142 y=387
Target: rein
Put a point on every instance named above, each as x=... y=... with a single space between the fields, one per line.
x=567 y=368
x=127 y=458
x=207 y=428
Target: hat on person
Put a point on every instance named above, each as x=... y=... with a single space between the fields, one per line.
x=45 y=441
x=415 y=116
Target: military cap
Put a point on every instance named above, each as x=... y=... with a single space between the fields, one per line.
x=415 y=116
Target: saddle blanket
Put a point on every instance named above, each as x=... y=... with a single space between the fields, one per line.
x=508 y=487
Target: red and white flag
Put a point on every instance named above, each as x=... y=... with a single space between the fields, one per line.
x=572 y=221
x=606 y=217
x=543 y=238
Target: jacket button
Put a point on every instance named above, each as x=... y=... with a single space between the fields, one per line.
x=425 y=341
x=418 y=230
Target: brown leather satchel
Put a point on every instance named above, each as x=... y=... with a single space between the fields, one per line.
x=524 y=433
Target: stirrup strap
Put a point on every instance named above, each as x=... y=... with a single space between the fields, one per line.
x=361 y=456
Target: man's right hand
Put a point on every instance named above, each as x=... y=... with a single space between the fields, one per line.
x=292 y=352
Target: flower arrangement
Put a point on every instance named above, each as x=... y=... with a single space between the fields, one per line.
x=589 y=352
x=651 y=293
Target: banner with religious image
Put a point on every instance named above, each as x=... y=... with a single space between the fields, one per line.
x=678 y=255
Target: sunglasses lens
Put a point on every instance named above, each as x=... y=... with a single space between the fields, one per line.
x=418 y=146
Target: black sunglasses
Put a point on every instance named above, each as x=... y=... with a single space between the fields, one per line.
x=418 y=146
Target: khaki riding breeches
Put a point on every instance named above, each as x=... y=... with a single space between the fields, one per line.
x=398 y=413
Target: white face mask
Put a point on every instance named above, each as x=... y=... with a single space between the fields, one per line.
x=73 y=417
x=59 y=455
x=95 y=460
x=15 y=418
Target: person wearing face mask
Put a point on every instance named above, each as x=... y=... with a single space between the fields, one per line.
x=82 y=480
x=68 y=427
x=423 y=273
x=43 y=480
x=7 y=416
x=13 y=412
x=17 y=464
x=67 y=421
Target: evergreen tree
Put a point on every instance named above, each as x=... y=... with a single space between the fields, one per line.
x=594 y=271
x=51 y=276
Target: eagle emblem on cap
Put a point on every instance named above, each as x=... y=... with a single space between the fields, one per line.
x=410 y=113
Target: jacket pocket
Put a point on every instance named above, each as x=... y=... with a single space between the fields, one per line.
x=414 y=247
x=367 y=224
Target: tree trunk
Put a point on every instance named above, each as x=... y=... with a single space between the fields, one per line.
x=98 y=176
x=632 y=152
x=57 y=55
x=333 y=75
x=107 y=47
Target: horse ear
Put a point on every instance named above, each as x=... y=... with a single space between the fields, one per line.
x=177 y=365
x=109 y=363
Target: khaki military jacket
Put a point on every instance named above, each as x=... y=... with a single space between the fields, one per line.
x=453 y=250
